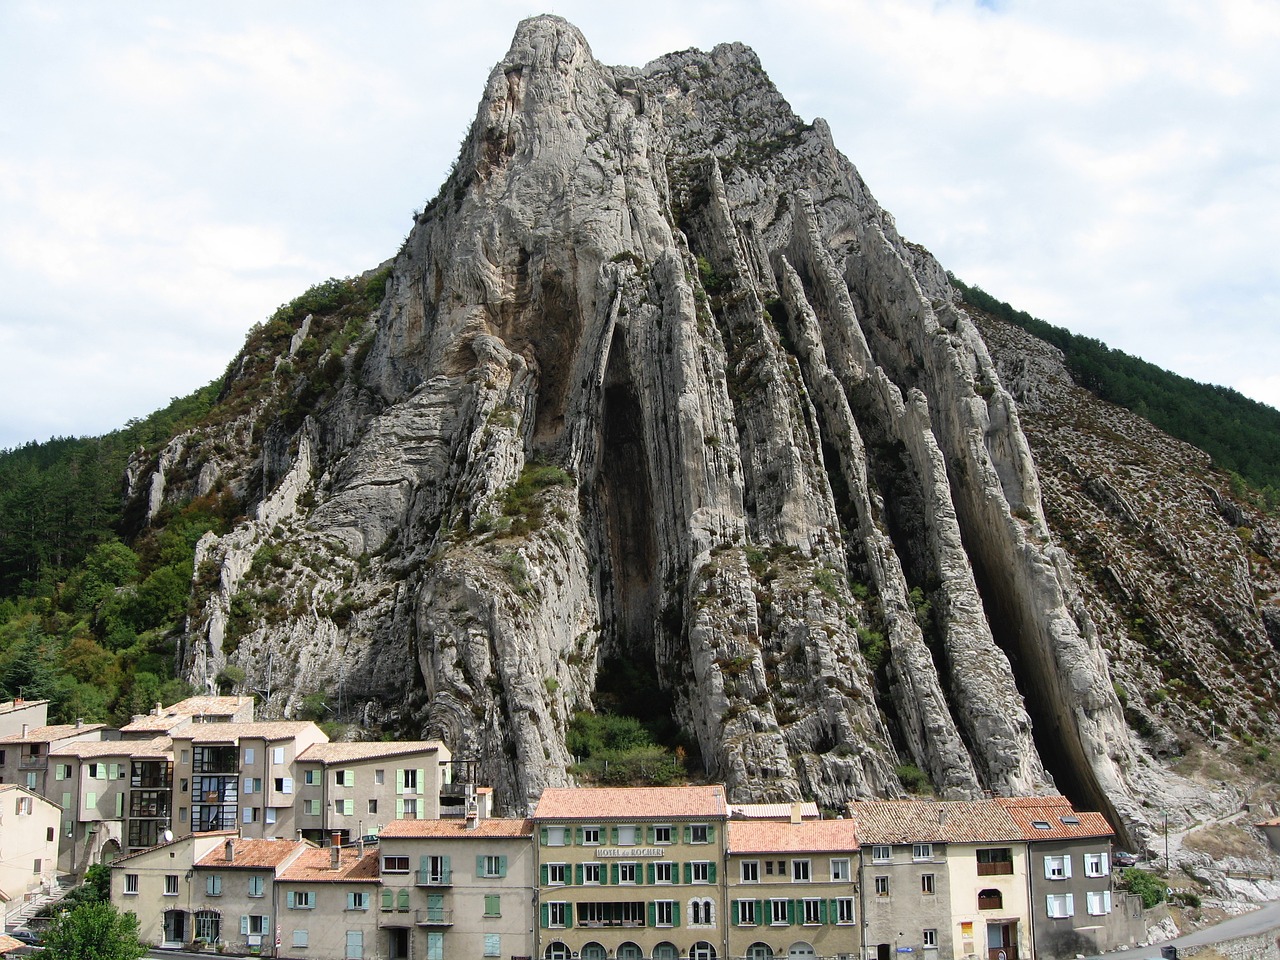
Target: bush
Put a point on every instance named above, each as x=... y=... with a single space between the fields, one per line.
x=914 y=780
x=1146 y=885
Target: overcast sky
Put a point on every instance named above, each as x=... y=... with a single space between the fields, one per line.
x=170 y=173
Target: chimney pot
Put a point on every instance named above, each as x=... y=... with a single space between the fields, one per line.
x=796 y=815
x=159 y=708
x=79 y=722
x=229 y=851
x=26 y=729
x=336 y=856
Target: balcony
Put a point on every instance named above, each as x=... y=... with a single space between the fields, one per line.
x=996 y=869
x=434 y=917
x=433 y=878
x=33 y=763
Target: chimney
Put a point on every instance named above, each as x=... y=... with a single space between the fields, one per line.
x=79 y=722
x=335 y=857
x=229 y=850
x=796 y=814
x=26 y=729
x=159 y=708
x=360 y=847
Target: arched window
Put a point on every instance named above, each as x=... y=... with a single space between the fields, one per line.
x=702 y=912
x=666 y=951
x=990 y=900
x=208 y=926
x=702 y=951
x=630 y=951
x=557 y=951
x=759 y=951
x=594 y=951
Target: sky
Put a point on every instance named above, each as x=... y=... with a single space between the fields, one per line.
x=170 y=173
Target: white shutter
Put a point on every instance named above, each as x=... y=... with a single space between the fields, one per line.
x=1066 y=865
x=288 y=785
x=244 y=924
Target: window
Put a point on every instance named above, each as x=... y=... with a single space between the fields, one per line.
x=779 y=912
x=379 y=777
x=990 y=900
x=557 y=874
x=491 y=866
x=255 y=886
x=311 y=807
x=344 y=778
x=208 y=926
x=800 y=871
x=702 y=912
x=1057 y=868
x=493 y=945
x=355 y=945
x=662 y=834
x=553 y=836
x=922 y=851
x=395 y=864
x=408 y=808
x=283 y=784
x=929 y=937
x=373 y=806
x=664 y=872
x=299 y=938
x=213 y=886
x=131 y=883
x=996 y=861
x=23 y=807
x=844 y=910
x=591 y=836
x=170 y=884
x=277 y=754
x=840 y=869
x=744 y=913
x=812 y=911
x=664 y=913
x=700 y=871
x=255 y=924
x=251 y=814
x=357 y=900
x=591 y=873
x=1095 y=864
x=48 y=834
x=557 y=914
x=627 y=873
x=926 y=884
x=492 y=905
x=301 y=900
x=881 y=853
x=698 y=833
x=1098 y=903
x=62 y=771
x=627 y=835
x=310 y=777
x=1061 y=905
x=750 y=871
x=409 y=780
x=248 y=755
x=882 y=886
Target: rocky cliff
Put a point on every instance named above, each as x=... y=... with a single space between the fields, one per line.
x=655 y=389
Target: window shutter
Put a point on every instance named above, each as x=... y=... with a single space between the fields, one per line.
x=349 y=807
x=542 y=912
x=291 y=900
x=1048 y=870
x=399 y=781
x=402 y=901
x=351 y=901
x=711 y=872
x=737 y=913
x=288 y=785
x=822 y=912
x=349 y=778
x=613 y=873
x=502 y=865
x=649 y=873
x=90 y=800
x=479 y=865
x=1066 y=865
x=688 y=873
x=1071 y=905
x=759 y=912
x=568 y=915
x=244 y=924
x=1105 y=864
x=448 y=870
x=791 y=912
x=688 y=833
x=543 y=836
x=648 y=834
x=119 y=805
x=577 y=835
x=542 y=878
x=422 y=781
x=1048 y=905
x=1106 y=901
x=604 y=874
x=577 y=874
x=653 y=914
x=399 y=809
x=711 y=833
x=613 y=835
x=388 y=900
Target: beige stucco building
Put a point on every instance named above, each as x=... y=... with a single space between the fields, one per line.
x=28 y=844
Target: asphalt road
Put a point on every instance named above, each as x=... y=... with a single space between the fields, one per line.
x=1263 y=920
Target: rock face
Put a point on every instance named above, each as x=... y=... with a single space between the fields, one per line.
x=656 y=389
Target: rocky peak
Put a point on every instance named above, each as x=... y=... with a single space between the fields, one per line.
x=656 y=388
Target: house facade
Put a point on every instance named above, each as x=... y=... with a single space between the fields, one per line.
x=456 y=888
x=630 y=872
x=792 y=888
x=327 y=902
x=29 y=843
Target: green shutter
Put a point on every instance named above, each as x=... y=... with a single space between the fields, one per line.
x=711 y=872
x=577 y=835
x=822 y=912
x=542 y=916
x=791 y=912
x=613 y=835
x=688 y=873
x=402 y=901
x=351 y=901
x=649 y=834
x=653 y=914
x=736 y=912
x=422 y=781
x=577 y=874
x=290 y=900
x=479 y=865
x=568 y=915
x=649 y=873
x=675 y=914
x=543 y=833
x=760 y=913
x=542 y=875
x=447 y=867
x=711 y=833
x=613 y=873
x=244 y=924
x=688 y=833
x=399 y=781
x=502 y=866
x=388 y=900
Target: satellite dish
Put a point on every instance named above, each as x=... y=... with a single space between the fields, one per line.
x=167 y=836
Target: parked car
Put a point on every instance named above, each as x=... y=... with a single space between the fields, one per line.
x=1124 y=859
x=29 y=937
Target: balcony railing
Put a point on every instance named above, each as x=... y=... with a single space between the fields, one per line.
x=996 y=869
x=434 y=917
x=433 y=878
x=33 y=763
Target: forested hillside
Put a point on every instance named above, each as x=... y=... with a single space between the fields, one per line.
x=1242 y=435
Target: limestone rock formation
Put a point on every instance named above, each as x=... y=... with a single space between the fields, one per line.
x=656 y=386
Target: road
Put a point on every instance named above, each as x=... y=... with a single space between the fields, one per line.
x=1263 y=920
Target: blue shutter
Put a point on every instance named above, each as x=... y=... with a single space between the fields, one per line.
x=502 y=866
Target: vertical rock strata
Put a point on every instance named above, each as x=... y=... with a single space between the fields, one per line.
x=656 y=382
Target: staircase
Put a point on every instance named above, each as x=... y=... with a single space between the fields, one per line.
x=21 y=914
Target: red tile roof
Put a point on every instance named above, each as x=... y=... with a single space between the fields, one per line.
x=807 y=809
x=316 y=866
x=87 y=749
x=1064 y=823
x=926 y=821
x=777 y=836
x=253 y=854
x=631 y=803
x=254 y=730
x=456 y=829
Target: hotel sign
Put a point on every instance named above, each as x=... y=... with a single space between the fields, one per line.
x=611 y=853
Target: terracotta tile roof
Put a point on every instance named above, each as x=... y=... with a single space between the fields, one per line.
x=152 y=723
x=9 y=944
x=457 y=829
x=184 y=711
x=55 y=731
x=253 y=854
x=258 y=730
x=316 y=866
x=807 y=836
x=366 y=750
x=926 y=821
x=185 y=838
x=88 y=749
x=630 y=803
x=1273 y=822
x=1064 y=822
x=773 y=811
